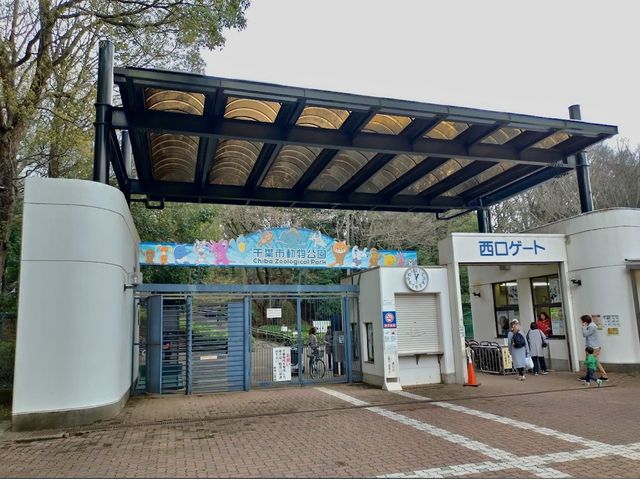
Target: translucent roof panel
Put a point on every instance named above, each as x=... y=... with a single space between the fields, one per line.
x=435 y=176
x=174 y=101
x=290 y=165
x=502 y=136
x=552 y=140
x=446 y=130
x=495 y=170
x=173 y=157
x=398 y=166
x=249 y=109
x=342 y=167
x=318 y=117
x=388 y=124
x=233 y=162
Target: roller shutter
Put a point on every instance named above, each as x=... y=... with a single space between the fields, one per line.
x=418 y=318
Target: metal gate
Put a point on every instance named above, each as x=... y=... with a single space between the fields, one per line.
x=209 y=338
x=281 y=327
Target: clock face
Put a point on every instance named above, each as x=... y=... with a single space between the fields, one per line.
x=416 y=278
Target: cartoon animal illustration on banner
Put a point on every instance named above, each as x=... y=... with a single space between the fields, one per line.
x=316 y=239
x=266 y=238
x=389 y=260
x=200 y=247
x=149 y=254
x=219 y=250
x=164 y=254
x=357 y=255
x=181 y=253
x=374 y=258
x=242 y=244
x=339 y=249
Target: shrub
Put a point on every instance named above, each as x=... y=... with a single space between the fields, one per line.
x=7 y=359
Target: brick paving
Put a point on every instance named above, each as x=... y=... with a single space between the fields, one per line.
x=305 y=432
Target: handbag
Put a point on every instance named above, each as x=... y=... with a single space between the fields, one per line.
x=528 y=362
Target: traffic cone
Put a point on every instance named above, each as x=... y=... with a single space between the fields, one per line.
x=471 y=374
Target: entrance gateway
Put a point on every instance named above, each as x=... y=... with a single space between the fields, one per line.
x=191 y=138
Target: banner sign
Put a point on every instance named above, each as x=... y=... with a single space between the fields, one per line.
x=276 y=248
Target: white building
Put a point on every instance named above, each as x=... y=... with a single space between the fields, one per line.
x=590 y=266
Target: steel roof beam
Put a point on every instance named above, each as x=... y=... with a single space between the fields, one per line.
x=459 y=177
x=522 y=185
x=498 y=181
x=335 y=140
x=284 y=197
x=354 y=122
x=413 y=175
x=117 y=160
x=287 y=117
x=213 y=108
x=413 y=130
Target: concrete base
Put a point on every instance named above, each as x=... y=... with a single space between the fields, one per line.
x=60 y=419
x=449 y=378
x=621 y=367
x=373 y=379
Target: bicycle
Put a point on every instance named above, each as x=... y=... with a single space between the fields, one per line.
x=317 y=368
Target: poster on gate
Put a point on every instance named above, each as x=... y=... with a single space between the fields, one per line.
x=281 y=364
x=506 y=358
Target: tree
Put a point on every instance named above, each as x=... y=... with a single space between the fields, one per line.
x=47 y=58
x=615 y=182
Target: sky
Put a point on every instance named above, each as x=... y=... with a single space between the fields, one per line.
x=536 y=57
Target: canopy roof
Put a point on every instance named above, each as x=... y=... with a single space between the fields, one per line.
x=204 y=139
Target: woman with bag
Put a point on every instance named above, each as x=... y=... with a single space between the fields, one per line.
x=518 y=348
x=537 y=342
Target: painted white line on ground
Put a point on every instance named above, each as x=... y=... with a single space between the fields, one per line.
x=595 y=448
x=411 y=396
x=344 y=397
x=490 y=466
x=512 y=422
x=458 y=439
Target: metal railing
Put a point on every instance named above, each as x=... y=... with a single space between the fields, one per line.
x=490 y=357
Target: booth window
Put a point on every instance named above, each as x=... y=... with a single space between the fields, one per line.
x=547 y=305
x=505 y=301
x=369 y=329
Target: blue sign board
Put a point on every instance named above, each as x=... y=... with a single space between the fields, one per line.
x=389 y=320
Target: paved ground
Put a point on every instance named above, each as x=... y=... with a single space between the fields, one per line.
x=547 y=426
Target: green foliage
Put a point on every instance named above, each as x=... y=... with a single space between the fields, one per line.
x=177 y=223
x=7 y=360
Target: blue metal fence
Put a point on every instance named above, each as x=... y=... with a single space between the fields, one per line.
x=208 y=340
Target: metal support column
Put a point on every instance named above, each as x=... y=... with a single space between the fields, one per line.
x=154 y=344
x=346 y=324
x=482 y=220
x=582 y=170
x=103 y=104
x=189 y=319
x=299 y=326
x=247 y=343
